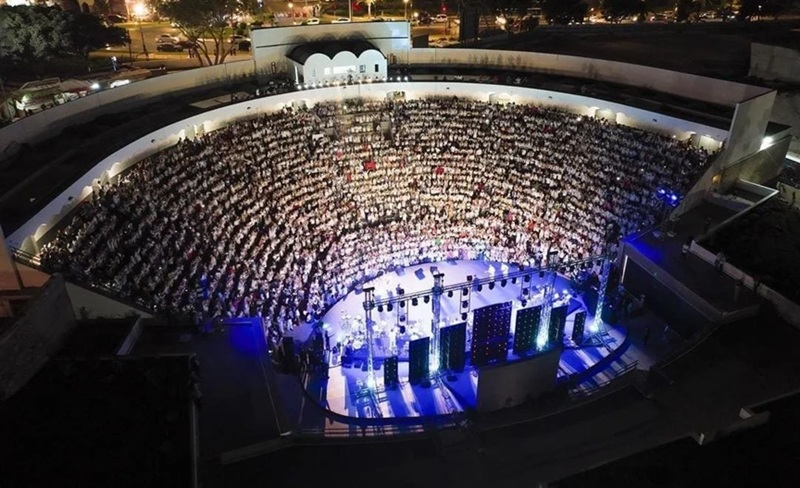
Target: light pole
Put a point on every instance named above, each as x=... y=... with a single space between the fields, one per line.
x=139 y=10
x=405 y=9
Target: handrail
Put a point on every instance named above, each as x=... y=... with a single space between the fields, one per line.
x=34 y=261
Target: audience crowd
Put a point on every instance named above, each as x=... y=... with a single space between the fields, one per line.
x=281 y=215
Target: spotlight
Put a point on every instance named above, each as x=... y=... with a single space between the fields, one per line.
x=503 y=283
x=541 y=274
x=402 y=303
x=414 y=301
x=469 y=277
x=405 y=79
x=480 y=288
x=525 y=292
x=464 y=316
x=426 y=299
x=402 y=318
x=464 y=304
x=523 y=302
x=402 y=329
x=465 y=291
x=527 y=279
x=401 y=291
x=514 y=280
x=491 y=285
x=389 y=307
x=380 y=308
x=450 y=294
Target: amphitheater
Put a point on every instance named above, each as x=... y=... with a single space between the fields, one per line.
x=330 y=231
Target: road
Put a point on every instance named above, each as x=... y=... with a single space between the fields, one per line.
x=149 y=31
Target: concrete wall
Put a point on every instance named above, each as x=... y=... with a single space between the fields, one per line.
x=37 y=335
x=31 y=234
x=511 y=384
x=761 y=167
x=774 y=63
x=684 y=85
x=787 y=111
x=88 y=304
x=748 y=127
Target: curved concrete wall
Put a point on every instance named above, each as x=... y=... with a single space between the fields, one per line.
x=28 y=237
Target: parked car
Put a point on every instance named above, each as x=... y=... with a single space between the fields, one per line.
x=116 y=19
x=341 y=20
x=169 y=47
x=245 y=45
x=186 y=44
x=166 y=39
x=311 y=21
x=440 y=18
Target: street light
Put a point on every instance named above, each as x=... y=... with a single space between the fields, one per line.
x=291 y=7
x=140 y=10
x=405 y=9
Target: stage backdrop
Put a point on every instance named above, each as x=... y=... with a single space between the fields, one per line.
x=511 y=384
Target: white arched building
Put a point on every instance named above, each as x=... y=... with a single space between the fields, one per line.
x=342 y=61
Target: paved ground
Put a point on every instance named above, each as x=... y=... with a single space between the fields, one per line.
x=237 y=408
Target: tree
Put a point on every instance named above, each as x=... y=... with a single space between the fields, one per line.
x=101 y=7
x=564 y=11
x=29 y=34
x=203 y=19
x=619 y=9
x=686 y=10
x=89 y=33
x=70 y=5
x=38 y=34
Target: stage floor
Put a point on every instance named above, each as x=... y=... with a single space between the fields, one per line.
x=343 y=391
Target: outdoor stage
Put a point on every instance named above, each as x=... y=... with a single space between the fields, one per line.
x=343 y=391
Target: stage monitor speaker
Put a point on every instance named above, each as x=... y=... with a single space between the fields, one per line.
x=578 y=326
x=452 y=347
x=525 y=330
x=390 y=374
x=419 y=352
x=469 y=22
